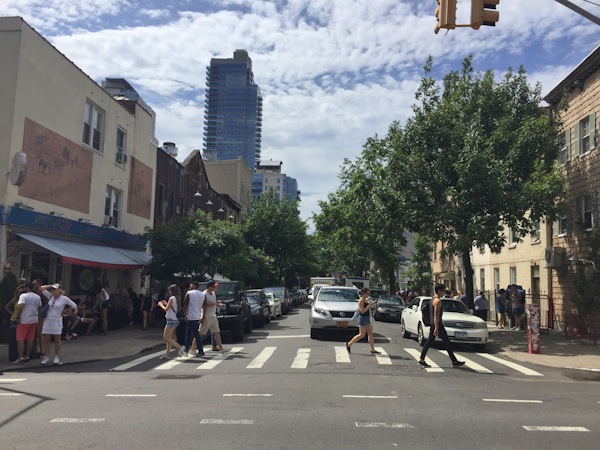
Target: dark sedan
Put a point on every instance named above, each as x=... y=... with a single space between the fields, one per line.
x=389 y=308
x=259 y=308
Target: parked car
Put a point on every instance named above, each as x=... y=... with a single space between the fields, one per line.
x=275 y=305
x=389 y=308
x=283 y=295
x=462 y=326
x=376 y=293
x=260 y=309
x=334 y=309
x=314 y=292
x=234 y=316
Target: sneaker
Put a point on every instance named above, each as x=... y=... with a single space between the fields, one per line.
x=223 y=351
x=181 y=352
x=68 y=337
x=423 y=363
x=164 y=357
x=192 y=352
x=73 y=335
x=20 y=361
x=56 y=361
x=45 y=360
x=375 y=352
x=458 y=363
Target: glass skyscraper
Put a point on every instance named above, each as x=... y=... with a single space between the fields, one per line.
x=233 y=110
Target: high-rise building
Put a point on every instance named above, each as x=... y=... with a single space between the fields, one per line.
x=268 y=175
x=233 y=110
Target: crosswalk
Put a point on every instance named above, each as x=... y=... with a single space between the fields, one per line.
x=266 y=357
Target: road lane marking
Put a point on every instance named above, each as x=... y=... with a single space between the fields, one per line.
x=288 y=336
x=227 y=422
x=301 y=359
x=262 y=358
x=369 y=396
x=341 y=354
x=174 y=362
x=383 y=358
x=470 y=364
x=417 y=355
x=137 y=361
x=218 y=359
x=77 y=420
x=11 y=380
x=549 y=428
x=130 y=395
x=247 y=395
x=382 y=425
x=11 y=394
x=508 y=400
x=517 y=367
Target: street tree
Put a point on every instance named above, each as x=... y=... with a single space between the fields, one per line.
x=274 y=226
x=419 y=271
x=478 y=155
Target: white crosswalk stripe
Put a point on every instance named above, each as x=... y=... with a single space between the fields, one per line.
x=301 y=359
x=470 y=364
x=512 y=365
x=262 y=358
x=136 y=362
x=341 y=354
x=417 y=355
x=218 y=359
x=383 y=357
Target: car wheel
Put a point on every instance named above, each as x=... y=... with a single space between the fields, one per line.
x=314 y=334
x=420 y=337
x=405 y=334
x=268 y=318
x=479 y=347
x=237 y=332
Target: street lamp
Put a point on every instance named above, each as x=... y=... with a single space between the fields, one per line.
x=197 y=194
x=221 y=210
x=209 y=203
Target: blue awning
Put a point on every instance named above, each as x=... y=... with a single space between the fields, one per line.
x=91 y=255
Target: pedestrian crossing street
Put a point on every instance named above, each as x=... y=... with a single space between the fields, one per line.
x=269 y=357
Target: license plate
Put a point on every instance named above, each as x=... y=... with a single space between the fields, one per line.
x=342 y=324
x=461 y=334
x=393 y=315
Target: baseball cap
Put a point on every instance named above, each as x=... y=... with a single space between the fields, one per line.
x=56 y=286
x=212 y=283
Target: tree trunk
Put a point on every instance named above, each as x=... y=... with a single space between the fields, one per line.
x=466 y=256
x=392 y=280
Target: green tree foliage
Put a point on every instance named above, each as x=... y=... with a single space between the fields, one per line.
x=420 y=268
x=585 y=277
x=477 y=155
x=360 y=221
x=275 y=227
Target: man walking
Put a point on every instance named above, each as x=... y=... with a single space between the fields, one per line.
x=27 y=320
x=437 y=328
x=192 y=314
x=481 y=306
x=211 y=323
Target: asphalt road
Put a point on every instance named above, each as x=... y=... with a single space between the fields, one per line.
x=278 y=389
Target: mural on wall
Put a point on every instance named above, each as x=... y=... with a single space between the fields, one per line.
x=140 y=190
x=59 y=172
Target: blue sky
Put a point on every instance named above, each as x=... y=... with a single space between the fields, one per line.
x=332 y=72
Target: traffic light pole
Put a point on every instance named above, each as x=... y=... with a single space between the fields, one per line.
x=580 y=10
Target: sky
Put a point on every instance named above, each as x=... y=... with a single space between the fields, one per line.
x=332 y=73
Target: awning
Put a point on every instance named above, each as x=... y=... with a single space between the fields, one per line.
x=91 y=255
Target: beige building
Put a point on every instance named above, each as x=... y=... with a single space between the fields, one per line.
x=79 y=192
x=580 y=160
x=231 y=177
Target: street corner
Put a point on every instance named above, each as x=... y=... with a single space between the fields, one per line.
x=582 y=373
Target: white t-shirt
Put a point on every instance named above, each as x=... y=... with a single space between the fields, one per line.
x=57 y=305
x=31 y=302
x=211 y=311
x=196 y=300
x=170 y=314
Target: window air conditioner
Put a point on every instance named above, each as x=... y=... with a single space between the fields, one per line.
x=121 y=157
x=554 y=257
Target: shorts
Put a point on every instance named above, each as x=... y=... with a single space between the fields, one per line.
x=105 y=304
x=210 y=324
x=172 y=323
x=26 y=331
x=363 y=321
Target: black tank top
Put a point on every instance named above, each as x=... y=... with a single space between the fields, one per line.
x=366 y=313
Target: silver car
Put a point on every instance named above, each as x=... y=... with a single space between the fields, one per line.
x=335 y=308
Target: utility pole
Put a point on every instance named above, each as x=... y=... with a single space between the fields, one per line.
x=580 y=10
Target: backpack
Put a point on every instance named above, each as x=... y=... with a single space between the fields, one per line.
x=427 y=314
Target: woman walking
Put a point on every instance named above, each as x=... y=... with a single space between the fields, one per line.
x=364 y=321
x=170 y=307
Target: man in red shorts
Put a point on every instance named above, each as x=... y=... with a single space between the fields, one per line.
x=27 y=320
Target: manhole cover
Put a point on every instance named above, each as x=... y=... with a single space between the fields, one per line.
x=176 y=377
x=334 y=366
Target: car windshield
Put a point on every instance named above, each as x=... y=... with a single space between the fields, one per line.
x=224 y=289
x=390 y=300
x=454 y=306
x=252 y=298
x=278 y=292
x=338 y=295
x=270 y=296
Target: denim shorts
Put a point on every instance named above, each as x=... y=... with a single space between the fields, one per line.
x=363 y=321
x=172 y=323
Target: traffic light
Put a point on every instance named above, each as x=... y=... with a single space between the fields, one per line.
x=445 y=13
x=481 y=13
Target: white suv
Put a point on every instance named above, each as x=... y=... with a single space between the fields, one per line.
x=335 y=308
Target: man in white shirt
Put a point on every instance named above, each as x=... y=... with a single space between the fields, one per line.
x=192 y=314
x=211 y=323
x=27 y=320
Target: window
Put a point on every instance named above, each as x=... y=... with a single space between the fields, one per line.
x=535 y=234
x=121 y=155
x=512 y=238
x=586 y=211
x=564 y=142
x=112 y=207
x=497 y=278
x=92 y=126
x=482 y=279
x=585 y=134
x=513 y=275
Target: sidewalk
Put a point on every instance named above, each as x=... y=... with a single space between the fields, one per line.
x=556 y=351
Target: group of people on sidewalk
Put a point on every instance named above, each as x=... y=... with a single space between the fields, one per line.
x=199 y=311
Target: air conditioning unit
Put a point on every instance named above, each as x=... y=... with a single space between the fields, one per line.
x=121 y=157
x=110 y=221
x=554 y=257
